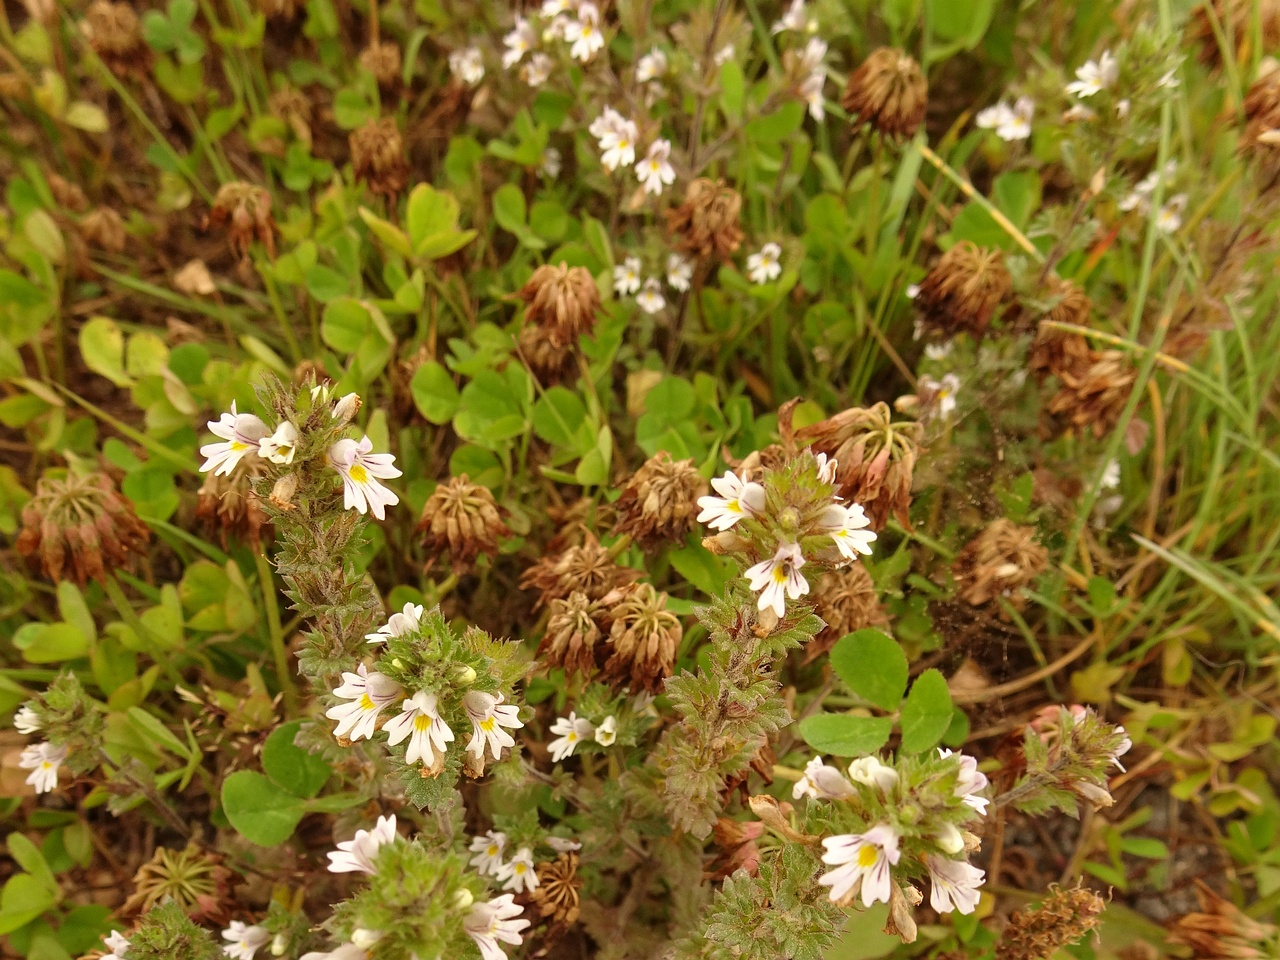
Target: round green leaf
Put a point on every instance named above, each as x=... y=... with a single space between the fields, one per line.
x=845 y=736
x=344 y=324
x=301 y=773
x=927 y=713
x=873 y=666
x=50 y=643
x=434 y=392
x=262 y=812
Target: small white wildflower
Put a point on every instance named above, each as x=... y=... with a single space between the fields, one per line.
x=737 y=500
x=421 y=724
x=846 y=525
x=361 y=469
x=871 y=772
x=398 y=624
x=607 y=732
x=938 y=351
x=281 y=445
x=969 y=781
x=584 y=33
x=650 y=297
x=240 y=433
x=821 y=782
x=537 y=70
x=43 y=760
x=724 y=55
x=518 y=873
x=679 y=272
x=651 y=66
x=518 y=42
x=488 y=715
x=779 y=577
x=765 y=265
x=618 y=144
x=570 y=731
x=243 y=941
x=26 y=721
x=626 y=276
x=117 y=943
x=1095 y=77
x=793 y=19
x=467 y=65
x=955 y=884
x=356 y=855
x=1169 y=219
x=551 y=163
x=811 y=93
x=368 y=694
x=488 y=851
x=654 y=170
x=493 y=920
x=861 y=860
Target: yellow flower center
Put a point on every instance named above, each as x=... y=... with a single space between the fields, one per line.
x=780 y=573
x=366 y=703
x=867 y=856
x=358 y=473
x=520 y=869
x=488 y=724
x=422 y=722
x=492 y=850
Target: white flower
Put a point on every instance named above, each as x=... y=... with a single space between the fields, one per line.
x=368 y=694
x=571 y=731
x=518 y=874
x=244 y=941
x=626 y=276
x=398 y=624
x=737 y=500
x=361 y=469
x=420 y=722
x=491 y=921
x=651 y=66
x=281 y=445
x=1078 y=112
x=861 y=859
x=467 y=65
x=814 y=52
x=26 y=720
x=949 y=838
x=346 y=407
x=1095 y=77
x=518 y=42
x=679 y=272
x=765 y=265
x=912 y=291
x=488 y=851
x=364 y=939
x=724 y=55
x=654 y=170
x=488 y=716
x=117 y=943
x=811 y=93
x=347 y=951
x=607 y=732
x=946 y=394
x=537 y=70
x=847 y=527
x=356 y=855
x=969 y=781
x=1009 y=123
x=821 y=782
x=1110 y=475
x=240 y=432
x=43 y=760
x=955 y=884
x=871 y=772
x=781 y=575
x=938 y=351
x=793 y=19
x=1139 y=198
x=553 y=8
x=584 y=33
x=563 y=845
x=650 y=297
x=1122 y=108
x=1124 y=747
x=826 y=468
x=617 y=141
x=609 y=120
x=1169 y=219
x=551 y=163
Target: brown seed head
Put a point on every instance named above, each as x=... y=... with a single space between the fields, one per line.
x=382 y=59
x=1095 y=396
x=561 y=302
x=847 y=601
x=244 y=211
x=586 y=569
x=66 y=194
x=660 y=501
x=645 y=636
x=572 y=634
x=889 y=92
x=1061 y=918
x=875 y=458
x=550 y=363
x=104 y=229
x=964 y=289
x=115 y=35
x=1055 y=350
x=227 y=506
x=706 y=224
x=1000 y=560
x=1222 y=930
x=1261 y=136
x=193 y=877
x=463 y=518
x=1235 y=20
x=79 y=527
x=556 y=895
x=292 y=106
x=377 y=157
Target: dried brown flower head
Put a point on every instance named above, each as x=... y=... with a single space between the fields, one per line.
x=244 y=211
x=193 y=877
x=1221 y=930
x=1061 y=918
x=1000 y=560
x=227 y=507
x=561 y=303
x=1235 y=20
x=1261 y=136
x=377 y=157
x=889 y=92
x=550 y=363
x=115 y=35
x=706 y=224
x=293 y=107
x=587 y=569
x=463 y=518
x=964 y=289
x=556 y=895
x=736 y=840
x=79 y=527
x=382 y=59
x=644 y=635
x=1053 y=349
x=571 y=635
x=875 y=458
x=660 y=501
x=847 y=601
x=103 y=228
x=66 y=194
x=1095 y=397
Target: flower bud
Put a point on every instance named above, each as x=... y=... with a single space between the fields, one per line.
x=346 y=408
x=279 y=943
x=283 y=491
x=949 y=839
x=463 y=899
x=364 y=939
x=465 y=675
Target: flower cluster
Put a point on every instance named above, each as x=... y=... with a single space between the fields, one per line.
x=910 y=820
x=628 y=280
x=1009 y=122
x=618 y=136
x=572 y=730
x=783 y=522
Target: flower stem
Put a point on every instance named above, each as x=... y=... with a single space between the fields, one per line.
x=278 y=651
